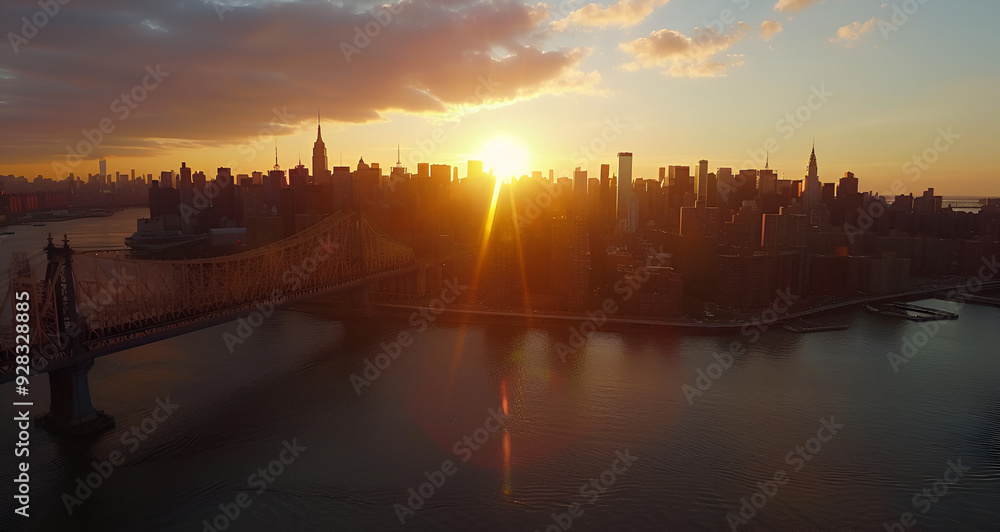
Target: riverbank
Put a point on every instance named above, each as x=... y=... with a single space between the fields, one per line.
x=48 y=217
x=543 y=319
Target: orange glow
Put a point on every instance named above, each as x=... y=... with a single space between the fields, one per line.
x=503 y=396
x=506 y=157
x=506 y=462
x=506 y=440
x=520 y=249
x=480 y=259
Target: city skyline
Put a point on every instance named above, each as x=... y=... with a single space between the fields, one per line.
x=461 y=172
x=415 y=265
x=557 y=86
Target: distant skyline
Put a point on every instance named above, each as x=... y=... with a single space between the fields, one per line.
x=555 y=85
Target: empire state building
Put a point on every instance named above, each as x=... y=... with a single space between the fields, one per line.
x=321 y=172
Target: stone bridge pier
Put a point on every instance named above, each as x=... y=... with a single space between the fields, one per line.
x=71 y=411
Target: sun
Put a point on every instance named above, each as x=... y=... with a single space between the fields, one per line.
x=506 y=157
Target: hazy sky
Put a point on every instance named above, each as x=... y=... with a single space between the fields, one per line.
x=572 y=83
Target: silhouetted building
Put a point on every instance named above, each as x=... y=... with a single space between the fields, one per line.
x=580 y=192
x=812 y=194
x=625 y=216
x=319 y=161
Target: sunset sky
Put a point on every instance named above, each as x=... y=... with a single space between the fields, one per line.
x=569 y=82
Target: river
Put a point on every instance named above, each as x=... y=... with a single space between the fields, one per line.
x=814 y=431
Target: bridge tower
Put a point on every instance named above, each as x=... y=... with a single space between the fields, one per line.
x=71 y=411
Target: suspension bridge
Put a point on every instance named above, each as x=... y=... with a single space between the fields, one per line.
x=84 y=305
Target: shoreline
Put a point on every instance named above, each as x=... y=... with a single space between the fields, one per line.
x=548 y=319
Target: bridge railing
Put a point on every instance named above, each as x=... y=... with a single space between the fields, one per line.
x=117 y=295
x=46 y=340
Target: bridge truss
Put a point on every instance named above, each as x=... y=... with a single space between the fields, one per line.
x=91 y=304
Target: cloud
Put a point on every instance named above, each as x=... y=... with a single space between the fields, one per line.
x=795 y=5
x=770 y=28
x=226 y=76
x=686 y=56
x=854 y=31
x=622 y=14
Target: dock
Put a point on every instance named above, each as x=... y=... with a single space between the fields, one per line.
x=912 y=312
x=805 y=326
x=974 y=299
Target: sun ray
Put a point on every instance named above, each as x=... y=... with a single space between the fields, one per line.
x=476 y=272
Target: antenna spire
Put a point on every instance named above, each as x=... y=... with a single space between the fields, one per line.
x=276 y=167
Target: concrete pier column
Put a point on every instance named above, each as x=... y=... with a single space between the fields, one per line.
x=71 y=411
x=363 y=307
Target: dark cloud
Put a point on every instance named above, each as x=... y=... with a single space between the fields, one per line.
x=224 y=77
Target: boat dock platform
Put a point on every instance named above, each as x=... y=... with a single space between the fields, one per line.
x=973 y=299
x=805 y=326
x=914 y=312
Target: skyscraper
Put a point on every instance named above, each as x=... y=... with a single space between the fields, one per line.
x=104 y=171
x=623 y=207
x=701 y=176
x=475 y=170
x=811 y=194
x=321 y=172
x=768 y=182
x=580 y=192
x=185 y=188
x=848 y=186
x=606 y=201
